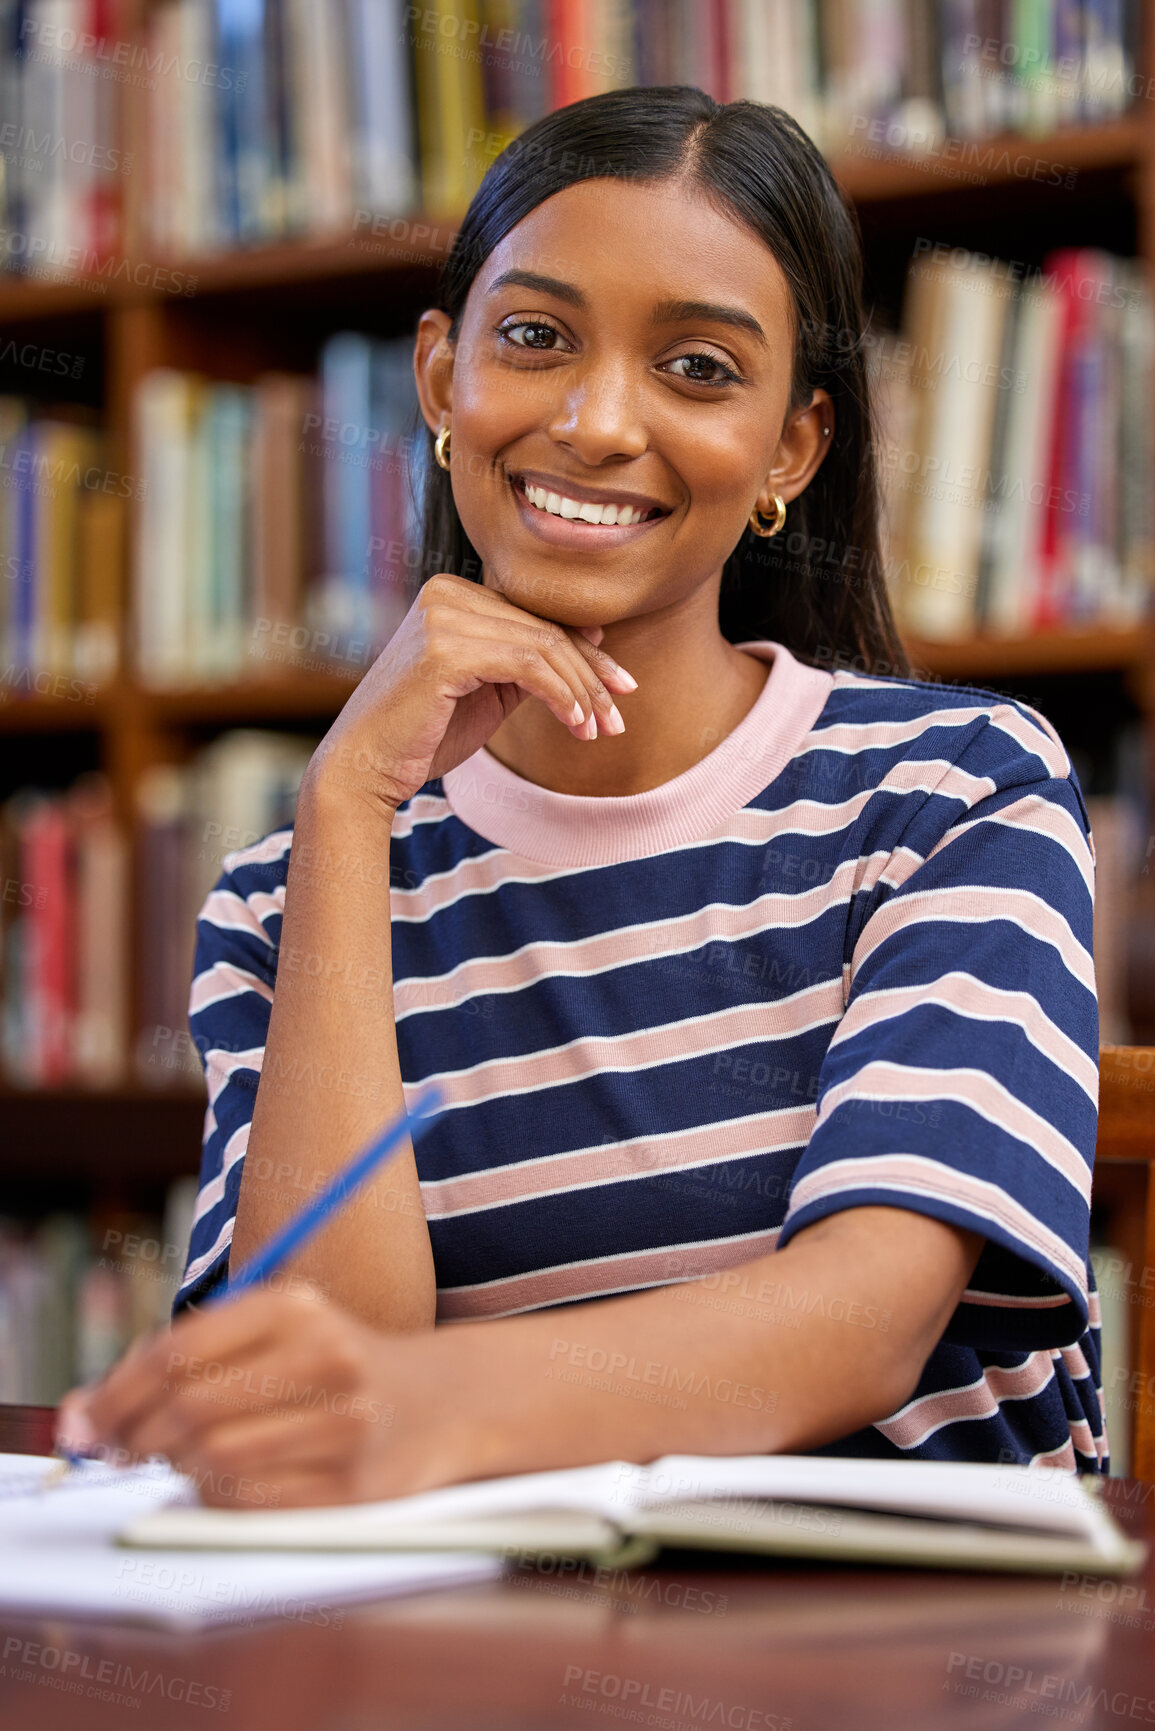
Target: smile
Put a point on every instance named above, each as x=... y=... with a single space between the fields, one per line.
x=612 y=514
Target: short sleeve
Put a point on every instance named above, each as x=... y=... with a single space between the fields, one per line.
x=962 y=1080
x=234 y=971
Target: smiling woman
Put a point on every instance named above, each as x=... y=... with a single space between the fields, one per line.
x=763 y=1005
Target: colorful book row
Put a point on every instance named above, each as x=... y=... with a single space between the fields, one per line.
x=1017 y=448
x=279 y=520
x=62 y=520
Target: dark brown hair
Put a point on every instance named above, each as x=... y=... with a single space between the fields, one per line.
x=818 y=586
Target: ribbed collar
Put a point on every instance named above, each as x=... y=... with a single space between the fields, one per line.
x=568 y=829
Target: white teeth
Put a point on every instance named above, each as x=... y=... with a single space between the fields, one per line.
x=584 y=511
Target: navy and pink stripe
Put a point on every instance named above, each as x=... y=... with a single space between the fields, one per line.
x=844 y=960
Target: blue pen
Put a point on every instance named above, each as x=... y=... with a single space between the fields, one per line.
x=313 y=1216
x=297 y=1232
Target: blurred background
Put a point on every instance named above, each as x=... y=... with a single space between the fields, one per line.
x=219 y=220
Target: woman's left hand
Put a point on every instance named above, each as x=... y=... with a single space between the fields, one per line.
x=276 y=1400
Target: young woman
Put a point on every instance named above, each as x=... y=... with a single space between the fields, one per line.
x=760 y=989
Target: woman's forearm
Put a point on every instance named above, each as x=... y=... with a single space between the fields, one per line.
x=331 y=1076
x=782 y=1354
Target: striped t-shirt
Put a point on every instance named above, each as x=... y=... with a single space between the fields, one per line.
x=844 y=960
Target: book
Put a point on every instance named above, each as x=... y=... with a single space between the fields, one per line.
x=48 y=943
x=383 y=146
x=165 y=408
x=280 y=546
x=101 y=926
x=1012 y=580
x=958 y=305
x=926 y=1514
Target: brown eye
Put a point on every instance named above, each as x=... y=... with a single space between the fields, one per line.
x=530 y=336
x=703 y=370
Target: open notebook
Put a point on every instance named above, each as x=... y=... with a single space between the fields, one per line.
x=950 y=1515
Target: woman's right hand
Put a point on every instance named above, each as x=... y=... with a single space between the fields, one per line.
x=462 y=659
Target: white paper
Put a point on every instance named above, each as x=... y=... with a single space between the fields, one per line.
x=58 y=1556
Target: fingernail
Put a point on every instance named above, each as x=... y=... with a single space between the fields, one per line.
x=627 y=678
x=592 y=726
x=613 y=722
x=577 y=715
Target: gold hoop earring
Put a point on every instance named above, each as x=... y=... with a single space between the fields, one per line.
x=779 y=518
x=441 y=448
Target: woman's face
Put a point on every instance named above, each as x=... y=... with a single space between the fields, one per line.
x=627 y=349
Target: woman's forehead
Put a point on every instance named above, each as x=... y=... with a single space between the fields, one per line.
x=641 y=238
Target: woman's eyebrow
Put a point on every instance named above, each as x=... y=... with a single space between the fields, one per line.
x=666 y=312
x=675 y=312
x=549 y=285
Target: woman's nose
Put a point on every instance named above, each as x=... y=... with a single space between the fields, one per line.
x=598 y=416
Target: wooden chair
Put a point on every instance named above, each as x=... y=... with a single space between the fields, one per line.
x=1127 y=1139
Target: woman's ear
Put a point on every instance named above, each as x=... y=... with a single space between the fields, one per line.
x=433 y=368
x=804 y=443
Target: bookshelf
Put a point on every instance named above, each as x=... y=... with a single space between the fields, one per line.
x=234 y=314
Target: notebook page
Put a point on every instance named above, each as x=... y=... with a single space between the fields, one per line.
x=1041 y=1498
x=608 y=1489
x=58 y=1556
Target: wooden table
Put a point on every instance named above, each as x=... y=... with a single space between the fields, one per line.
x=757 y=1648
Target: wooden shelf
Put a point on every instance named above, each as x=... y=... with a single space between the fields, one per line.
x=422 y=243
x=23 y=299
x=54 y=714
x=132 y=1135
x=1095 y=649
x=309 y=696
x=874 y=178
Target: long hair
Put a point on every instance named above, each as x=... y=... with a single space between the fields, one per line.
x=818 y=586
